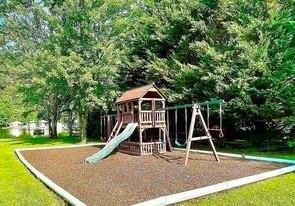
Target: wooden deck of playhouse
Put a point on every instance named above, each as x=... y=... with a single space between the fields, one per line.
x=145 y=148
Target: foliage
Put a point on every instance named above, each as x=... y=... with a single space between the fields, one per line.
x=67 y=58
x=12 y=108
x=233 y=50
x=237 y=50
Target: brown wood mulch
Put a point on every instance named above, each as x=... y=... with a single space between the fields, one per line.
x=123 y=179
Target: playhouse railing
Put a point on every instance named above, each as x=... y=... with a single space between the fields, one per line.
x=150 y=148
x=150 y=117
x=146 y=117
x=160 y=116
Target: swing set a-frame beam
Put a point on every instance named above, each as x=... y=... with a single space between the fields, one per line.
x=197 y=112
x=211 y=102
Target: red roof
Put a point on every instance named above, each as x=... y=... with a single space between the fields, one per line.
x=137 y=93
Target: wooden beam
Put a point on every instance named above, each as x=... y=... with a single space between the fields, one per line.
x=101 y=135
x=149 y=99
x=200 y=138
x=168 y=123
x=185 y=119
x=212 y=102
x=176 y=130
x=168 y=133
x=105 y=127
x=132 y=112
x=197 y=111
x=208 y=116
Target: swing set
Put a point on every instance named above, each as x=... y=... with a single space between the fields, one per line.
x=204 y=106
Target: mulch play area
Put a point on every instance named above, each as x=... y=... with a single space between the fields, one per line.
x=123 y=179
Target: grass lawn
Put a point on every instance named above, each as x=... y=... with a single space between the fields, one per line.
x=19 y=187
x=275 y=191
x=255 y=152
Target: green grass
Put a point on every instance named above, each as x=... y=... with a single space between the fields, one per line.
x=275 y=191
x=290 y=155
x=17 y=185
x=284 y=154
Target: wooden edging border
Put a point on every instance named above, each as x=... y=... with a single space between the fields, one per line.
x=72 y=200
x=191 y=194
x=168 y=199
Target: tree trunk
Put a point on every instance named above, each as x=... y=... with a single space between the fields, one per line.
x=49 y=128
x=83 y=126
x=70 y=123
x=54 y=129
x=52 y=125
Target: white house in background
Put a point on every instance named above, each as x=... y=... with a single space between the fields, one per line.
x=16 y=124
x=42 y=124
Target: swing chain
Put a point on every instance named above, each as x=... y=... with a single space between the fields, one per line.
x=221 y=135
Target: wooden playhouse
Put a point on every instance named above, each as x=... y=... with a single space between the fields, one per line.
x=146 y=106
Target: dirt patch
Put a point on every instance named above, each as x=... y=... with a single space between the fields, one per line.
x=123 y=179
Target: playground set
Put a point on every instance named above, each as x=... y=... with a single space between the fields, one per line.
x=144 y=127
x=143 y=110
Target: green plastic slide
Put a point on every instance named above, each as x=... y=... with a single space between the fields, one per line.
x=111 y=145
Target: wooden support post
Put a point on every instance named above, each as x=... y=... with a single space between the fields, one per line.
x=153 y=113
x=108 y=125
x=190 y=135
x=105 y=127
x=220 y=120
x=208 y=116
x=140 y=135
x=168 y=133
x=101 y=135
x=164 y=134
x=176 y=130
x=139 y=122
x=185 y=117
x=209 y=135
x=132 y=111
x=197 y=111
x=214 y=150
x=168 y=123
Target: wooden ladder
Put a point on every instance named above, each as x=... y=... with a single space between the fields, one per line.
x=115 y=130
x=197 y=112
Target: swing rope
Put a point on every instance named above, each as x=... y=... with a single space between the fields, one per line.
x=221 y=135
